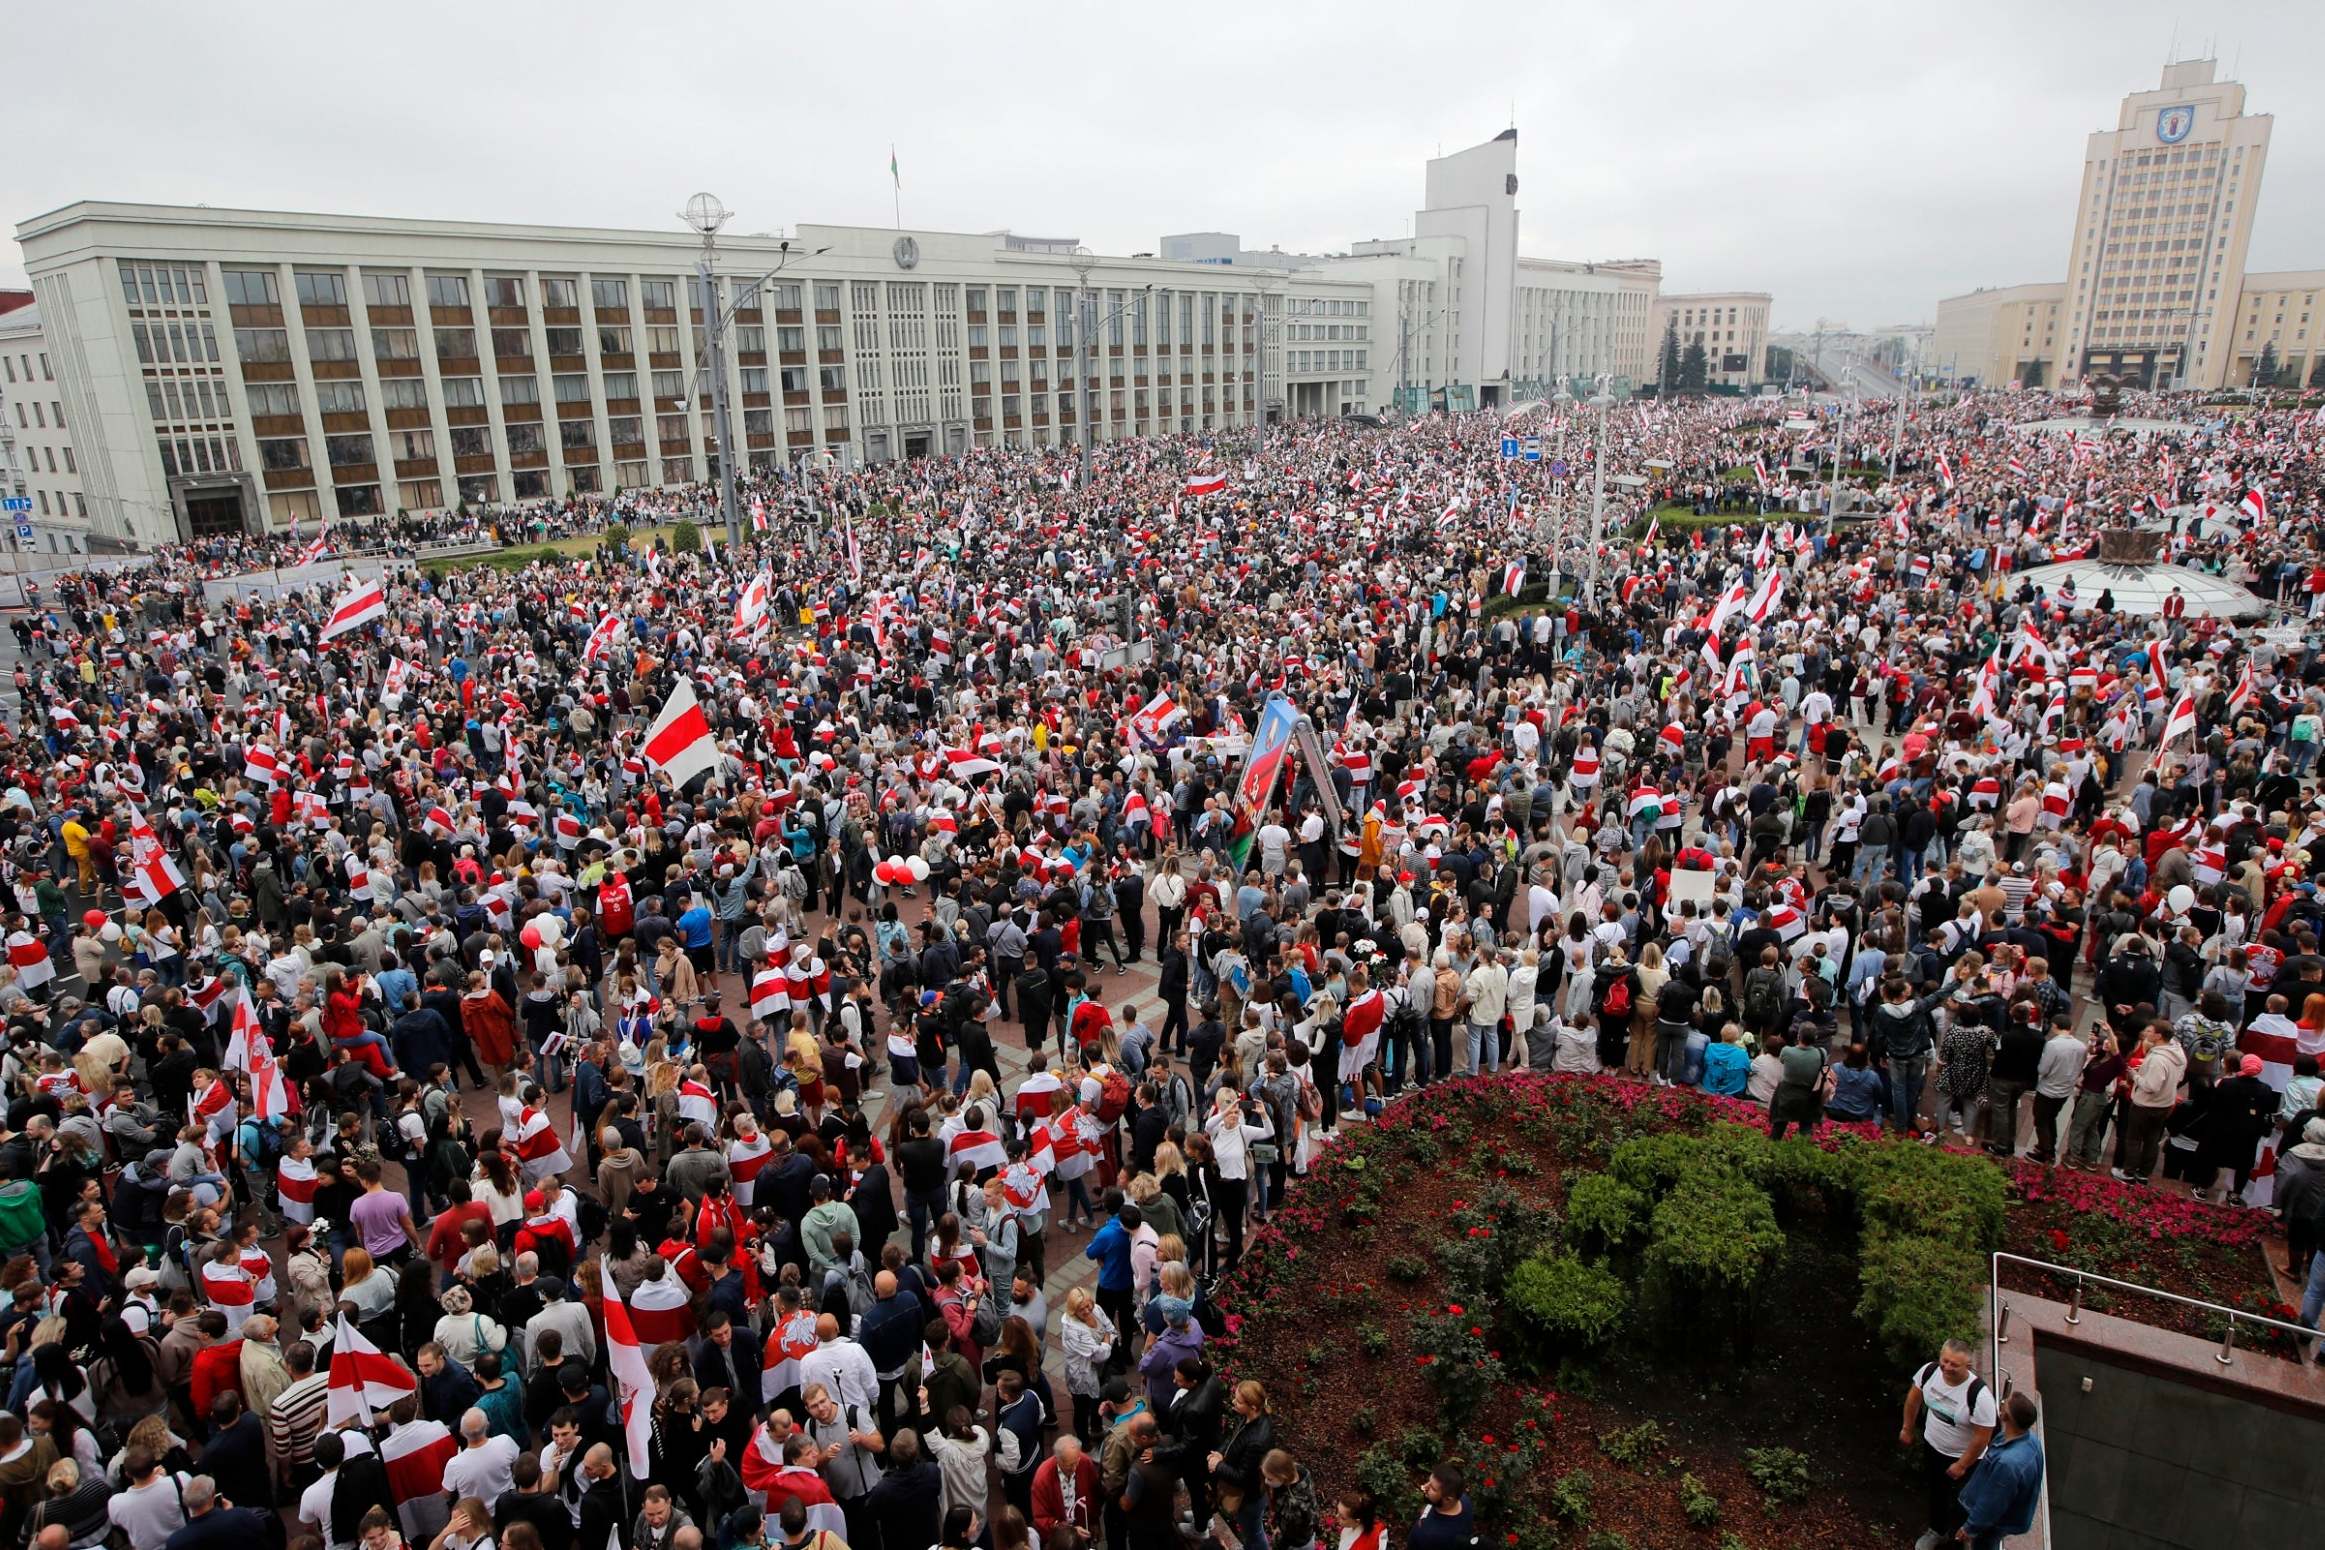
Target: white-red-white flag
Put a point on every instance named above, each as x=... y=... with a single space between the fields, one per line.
x=2181 y=722
x=601 y=637
x=157 y=875
x=247 y=1050
x=363 y=1378
x=632 y=1379
x=358 y=606
x=679 y=743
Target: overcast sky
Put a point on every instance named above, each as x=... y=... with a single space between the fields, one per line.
x=1856 y=160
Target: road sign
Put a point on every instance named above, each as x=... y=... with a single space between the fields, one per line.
x=1558 y=468
x=24 y=531
x=16 y=503
x=1510 y=447
x=1533 y=449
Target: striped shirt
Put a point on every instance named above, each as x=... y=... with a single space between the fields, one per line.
x=293 y=1422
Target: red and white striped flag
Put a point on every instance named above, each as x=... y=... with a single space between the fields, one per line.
x=359 y=606
x=679 y=743
x=627 y=1358
x=1206 y=483
x=295 y=1182
x=363 y=1378
x=601 y=637
x=2245 y=691
x=262 y=764
x=248 y=1050
x=751 y=607
x=414 y=1455
x=157 y=875
x=2181 y=722
x=2255 y=504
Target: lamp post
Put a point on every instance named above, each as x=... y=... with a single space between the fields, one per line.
x=1602 y=401
x=706 y=215
x=1562 y=404
x=1083 y=261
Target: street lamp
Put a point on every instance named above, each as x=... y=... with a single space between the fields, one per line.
x=1562 y=404
x=1602 y=401
x=706 y=215
x=1083 y=261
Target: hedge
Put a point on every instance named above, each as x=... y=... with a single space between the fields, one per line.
x=1566 y=1304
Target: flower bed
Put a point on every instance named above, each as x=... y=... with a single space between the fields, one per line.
x=1629 y=1314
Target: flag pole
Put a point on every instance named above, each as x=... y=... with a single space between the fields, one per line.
x=896 y=179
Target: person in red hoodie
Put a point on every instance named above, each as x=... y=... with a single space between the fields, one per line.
x=217 y=1367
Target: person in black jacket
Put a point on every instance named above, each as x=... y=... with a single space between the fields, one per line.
x=605 y=1525
x=1172 y=987
x=908 y=1503
x=1191 y=1427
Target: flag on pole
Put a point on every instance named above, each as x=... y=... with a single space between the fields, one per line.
x=2255 y=505
x=855 y=552
x=601 y=637
x=751 y=607
x=363 y=1378
x=158 y=876
x=1513 y=577
x=2245 y=691
x=894 y=176
x=631 y=1377
x=247 y=1050
x=1206 y=484
x=399 y=677
x=2181 y=722
x=362 y=603
x=679 y=743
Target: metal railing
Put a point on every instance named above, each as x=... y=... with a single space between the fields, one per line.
x=1998 y=1334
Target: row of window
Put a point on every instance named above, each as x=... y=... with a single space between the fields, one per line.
x=80 y=504
x=12 y=362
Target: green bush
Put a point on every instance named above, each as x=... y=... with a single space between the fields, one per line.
x=1602 y=1208
x=1372 y=1340
x=1564 y=1304
x=685 y=538
x=1407 y=1268
x=1636 y=1447
x=1609 y=1540
x=1917 y=1293
x=1382 y=1472
x=1780 y=1473
x=1570 y=1496
x=1454 y=1349
x=1715 y=1234
x=618 y=535
x=1920 y=1191
x=1697 y=1505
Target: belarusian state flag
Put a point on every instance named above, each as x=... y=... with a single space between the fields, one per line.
x=363 y=1378
x=359 y=606
x=679 y=743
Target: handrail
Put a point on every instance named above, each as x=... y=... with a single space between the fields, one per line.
x=1998 y=1331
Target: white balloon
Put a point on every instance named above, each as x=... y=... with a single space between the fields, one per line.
x=111 y=932
x=918 y=866
x=551 y=928
x=2182 y=899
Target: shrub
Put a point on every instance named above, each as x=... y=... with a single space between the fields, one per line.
x=1917 y=1293
x=685 y=538
x=1697 y=1505
x=1565 y=1304
x=1407 y=1268
x=1419 y=1448
x=618 y=535
x=1780 y=1473
x=1570 y=1496
x=1714 y=1234
x=1603 y=1208
x=1919 y=1191
x=1365 y=1422
x=1381 y=1471
x=1608 y=1540
x=1453 y=1349
x=1634 y=1447
x=1372 y=1340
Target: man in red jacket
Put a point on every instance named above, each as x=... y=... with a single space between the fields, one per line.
x=1065 y=1493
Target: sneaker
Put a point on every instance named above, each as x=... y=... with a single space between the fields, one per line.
x=1352 y=1113
x=2119 y=1174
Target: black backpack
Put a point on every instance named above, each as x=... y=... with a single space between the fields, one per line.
x=1764 y=993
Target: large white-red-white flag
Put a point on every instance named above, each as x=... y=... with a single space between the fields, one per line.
x=635 y=1382
x=679 y=743
x=751 y=607
x=363 y=1378
x=359 y=606
x=1205 y=483
x=601 y=637
x=414 y=1455
x=248 y=1049
x=2181 y=722
x=157 y=874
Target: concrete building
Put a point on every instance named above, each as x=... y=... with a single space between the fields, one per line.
x=231 y=369
x=38 y=459
x=1576 y=321
x=1732 y=327
x=2156 y=292
x=2278 y=317
x=2155 y=266
x=1999 y=335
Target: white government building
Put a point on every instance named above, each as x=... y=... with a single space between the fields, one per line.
x=236 y=370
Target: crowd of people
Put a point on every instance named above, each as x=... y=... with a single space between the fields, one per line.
x=430 y=1123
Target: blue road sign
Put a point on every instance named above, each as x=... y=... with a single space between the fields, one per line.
x=16 y=503
x=1533 y=449
x=1558 y=468
x=1509 y=446
x=24 y=531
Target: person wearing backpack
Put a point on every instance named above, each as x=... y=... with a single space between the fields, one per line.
x=1764 y=992
x=1904 y=1034
x=1956 y=1416
x=1615 y=996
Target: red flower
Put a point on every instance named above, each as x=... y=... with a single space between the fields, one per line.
x=1453 y=1308
x=2059 y=1238
x=1473 y=1329
x=1423 y=1361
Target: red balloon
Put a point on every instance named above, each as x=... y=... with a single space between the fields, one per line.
x=93 y=919
x=885 y=872
x=530 y=936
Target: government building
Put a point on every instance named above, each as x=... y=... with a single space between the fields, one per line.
x=226 y=370
x=2157 y=293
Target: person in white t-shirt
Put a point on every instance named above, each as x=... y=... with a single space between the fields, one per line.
x=149 y=1509
x=482 y=1467
x=1957 y=1416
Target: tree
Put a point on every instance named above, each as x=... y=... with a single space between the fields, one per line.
x=2264 y=370
x=1667 y=374
x=1694 y=368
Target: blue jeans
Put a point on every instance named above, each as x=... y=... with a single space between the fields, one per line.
x=1484 y=1047
x=2313 y=1300
x=1905 y=1078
